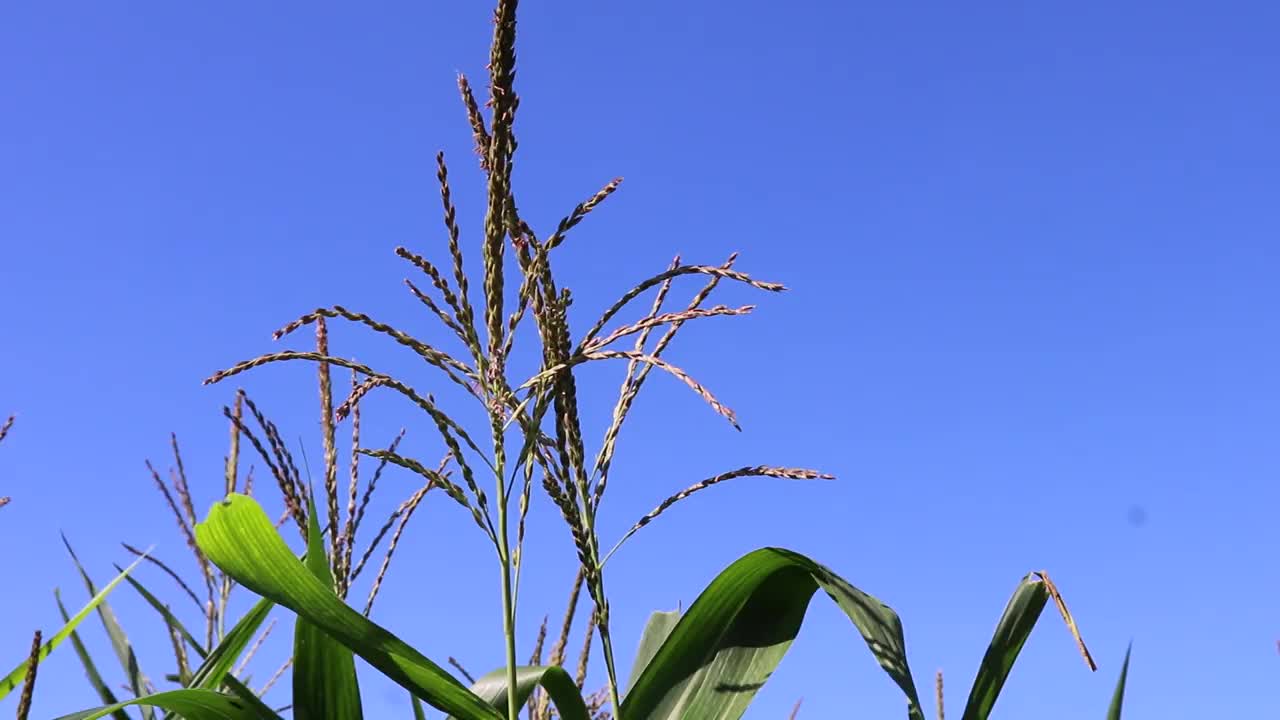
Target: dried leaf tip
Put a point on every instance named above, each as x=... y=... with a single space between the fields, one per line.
x=1066 y=618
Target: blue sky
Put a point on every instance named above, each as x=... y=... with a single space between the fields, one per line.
x=1032 y=254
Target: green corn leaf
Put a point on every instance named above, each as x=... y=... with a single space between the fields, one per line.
x=237 y=687
x=564 y=692
x=242 y=541
x=655 y=633
x=250 y=698
x=216 y=667
x=90 y=669
x=215 y=671
x=14 y=678
x=724 y=648
x=138 y=682
x=1117 y=699
x=1015 y=625
x=324 y=670
x=190 y=704
x=167 y=615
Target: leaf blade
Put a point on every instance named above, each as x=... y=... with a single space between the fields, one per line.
x=1117 y=699
x=90 y=668
x=1012 y=630
x=193 y=704
x=564 y=692
x=14 y=678
x=215 y=671
x=656 y=631
x=324 y=670
x=138 y=682
x=227 y=648
x=217 y=665
x=167 y=615
x=242 y=541
x=723 y=649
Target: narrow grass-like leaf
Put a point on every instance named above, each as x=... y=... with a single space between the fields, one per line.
x=557 y=683
x=1015 y=625
x=250 y=698
x=733 y=636
x=138 y=682
x=1117 y=699
x=167 y=615
x=237 y=687
x=419 y=713
x=324 y=671
x=215 y=671
x=241 y=540
x=655 y=633
x=90 y=668
x=217 y=665
x=14 y=678
x=190 y=704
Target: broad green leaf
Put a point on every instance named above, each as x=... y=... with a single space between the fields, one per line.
x=724 y=648
x=241 y=540
x=138 y=682
x=1015 y=625
x=14 y=678
x=655 y=633
x=190 y=704
x=90 y=669
x=564 y=692
x=1117 y=699
x=324 y=670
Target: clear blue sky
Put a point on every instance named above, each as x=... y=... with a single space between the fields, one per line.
x=1033 y=255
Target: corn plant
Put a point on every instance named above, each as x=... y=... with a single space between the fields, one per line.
x=210 y=591
x=217 y=647
x=707 y=662
x=24 y=675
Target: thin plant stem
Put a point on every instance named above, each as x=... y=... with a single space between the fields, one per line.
x=508 y=607
x=503 y=99
x=602 y=626
x=330 y=448
x=233 y=472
